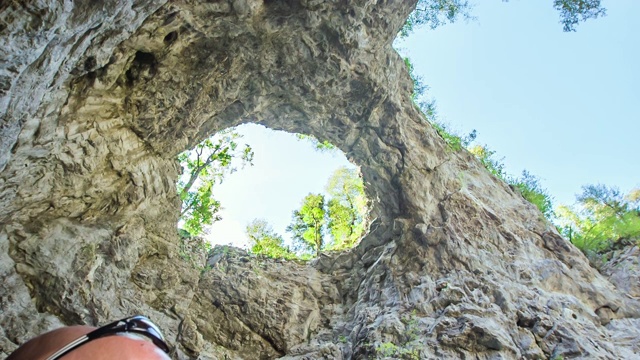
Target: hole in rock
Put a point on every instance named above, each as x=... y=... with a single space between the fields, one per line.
x=144 y=65
x=271 y=192
x=171 y=37
x=90 y=63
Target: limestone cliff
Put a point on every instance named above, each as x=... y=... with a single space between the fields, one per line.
x=97 y=99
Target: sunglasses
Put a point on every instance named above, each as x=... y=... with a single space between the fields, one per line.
x=135 y=324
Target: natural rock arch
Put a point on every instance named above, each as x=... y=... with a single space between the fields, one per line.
x=99 y=101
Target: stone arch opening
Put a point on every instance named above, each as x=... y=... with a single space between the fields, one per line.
x=283 y=169
x=98 y=110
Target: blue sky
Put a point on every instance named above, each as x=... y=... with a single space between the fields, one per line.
x=564 y=106
x=285 y=170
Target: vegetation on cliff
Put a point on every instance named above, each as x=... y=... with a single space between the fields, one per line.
x=335 y=222
x=602 y=218
x=434 y=13
x=338 y=223
x=204 y=166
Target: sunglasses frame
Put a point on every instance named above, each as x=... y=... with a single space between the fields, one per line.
x=135 y=324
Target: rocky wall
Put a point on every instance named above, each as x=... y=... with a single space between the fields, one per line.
x=98 y=98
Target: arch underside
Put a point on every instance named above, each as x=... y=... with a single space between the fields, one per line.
x=101 y=101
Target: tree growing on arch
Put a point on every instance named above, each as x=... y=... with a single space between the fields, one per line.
x=334 y=224
x=346 y=209
x=264 y=240
x=204 y=166
x=307 y=226
x=602 y=218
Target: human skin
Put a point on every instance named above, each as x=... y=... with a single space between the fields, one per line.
x=105 y=348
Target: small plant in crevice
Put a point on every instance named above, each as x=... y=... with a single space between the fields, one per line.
x=323 y=146
x=412 y=331
x=389 y=349
x=526 y=185
x=406 y=349
x=453 y=140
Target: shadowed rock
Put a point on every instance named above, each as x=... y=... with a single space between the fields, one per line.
x=98 y=98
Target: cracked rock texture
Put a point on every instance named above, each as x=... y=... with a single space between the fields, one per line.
x=98 y=97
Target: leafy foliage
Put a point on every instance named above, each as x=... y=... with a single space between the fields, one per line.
x=529 y=187
x=527 y=184
x=347 y=208
x=203 y=167
x=485 y=155
x=434 y=13
x=419 y=87
x=428 y=108
x=336 y=224
x=318 y=224
x=319 y=145
x=455 y=141
x=573 y=12
x=308 y=223
x=199 y=208
x=603 y=217
x=264 y=241
x=407 y=348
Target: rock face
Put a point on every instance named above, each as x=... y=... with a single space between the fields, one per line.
x=98 y=98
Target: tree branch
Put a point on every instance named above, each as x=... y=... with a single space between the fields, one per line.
x=196 y=173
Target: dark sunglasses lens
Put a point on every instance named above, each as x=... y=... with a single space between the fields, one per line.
x=142 y=323
x=150 y=327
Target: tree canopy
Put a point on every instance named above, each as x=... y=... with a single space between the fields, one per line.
x=603 y=216
x=434 y=13
x=347 y=208
x=263 y=240
x=335 y=221
x=307 y=226
x=204 y=166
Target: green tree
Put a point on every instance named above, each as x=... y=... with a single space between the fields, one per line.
x=572 y=12
x=265 y=241
x=336 y=224
x=204 y=166
x=434 y=13
x=346 y=208
x=307 y=226
x=603 y=216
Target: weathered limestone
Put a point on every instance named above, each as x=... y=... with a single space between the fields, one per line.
x=99 y=97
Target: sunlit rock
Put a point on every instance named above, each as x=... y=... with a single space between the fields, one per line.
x=97 y=100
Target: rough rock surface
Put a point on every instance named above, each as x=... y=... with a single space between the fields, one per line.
x=98 y=98
x=623 y=268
